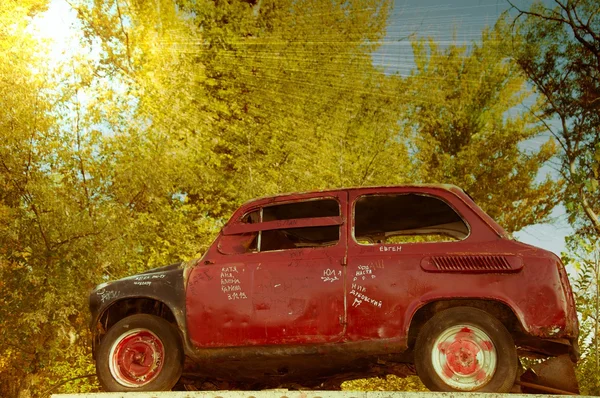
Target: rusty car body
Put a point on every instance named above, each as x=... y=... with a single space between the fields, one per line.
x=302 y=286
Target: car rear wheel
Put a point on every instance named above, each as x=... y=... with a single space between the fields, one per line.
x=140 y=353
x=466 y=349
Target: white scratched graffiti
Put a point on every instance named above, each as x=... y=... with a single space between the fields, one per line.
x=229 y=272
x=363 y=272
x=390 y=248
x=230 y=283
x=331 y=275
x=145 y=283
x=148 y=277
x=359 y=293
x=359 y=288
x=356 y=302
x=377 y=264
x=237 y=296
x=106 y=295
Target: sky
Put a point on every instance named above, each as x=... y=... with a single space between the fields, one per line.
x=446 y=21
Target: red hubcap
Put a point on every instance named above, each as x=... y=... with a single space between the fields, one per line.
x=136 y=358
x=464 y=357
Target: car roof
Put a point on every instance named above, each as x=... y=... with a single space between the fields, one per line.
x=299 y=195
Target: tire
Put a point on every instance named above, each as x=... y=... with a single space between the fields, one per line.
x=140 y=353
x=466 y=349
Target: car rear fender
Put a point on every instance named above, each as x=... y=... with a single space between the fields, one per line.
x=500 y=310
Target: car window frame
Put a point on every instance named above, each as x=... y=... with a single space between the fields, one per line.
x=240 y=227
x=358 y=197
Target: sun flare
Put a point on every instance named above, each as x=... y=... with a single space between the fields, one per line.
x=57 y=30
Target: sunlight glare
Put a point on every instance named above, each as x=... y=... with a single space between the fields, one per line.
x=58 y=29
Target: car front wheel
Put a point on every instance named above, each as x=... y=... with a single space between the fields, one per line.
x=140 y=353
x=465 y=349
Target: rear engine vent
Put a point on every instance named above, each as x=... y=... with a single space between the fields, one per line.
x=482 y=263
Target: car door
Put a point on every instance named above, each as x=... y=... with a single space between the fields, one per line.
x=273 y=276
x=393 y=230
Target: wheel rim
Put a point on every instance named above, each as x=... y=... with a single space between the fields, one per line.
x=464 y=357
x=136 y=358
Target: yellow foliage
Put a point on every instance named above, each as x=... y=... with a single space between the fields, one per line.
x=390 y=383
x=5 y=358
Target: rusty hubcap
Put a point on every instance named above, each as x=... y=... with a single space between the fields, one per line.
x=464 y=357
x=136 y=358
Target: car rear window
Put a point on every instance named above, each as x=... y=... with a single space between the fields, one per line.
x=406 y=218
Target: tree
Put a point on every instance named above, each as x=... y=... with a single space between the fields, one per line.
x=22 y=120
x=558 y=49
x=57 y=228
x=584 y=257
x=277 y=100
x=51 y=240
x=469 y=128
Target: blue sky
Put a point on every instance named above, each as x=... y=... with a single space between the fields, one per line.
x=445 y=21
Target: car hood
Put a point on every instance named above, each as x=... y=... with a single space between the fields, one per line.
x=162 y=269
x=157 y=270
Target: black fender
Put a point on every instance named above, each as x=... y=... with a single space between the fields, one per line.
x=165 y=285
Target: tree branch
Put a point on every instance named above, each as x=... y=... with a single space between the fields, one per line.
x=62 y=383
x=125 y=34
x=27 y=197
x=80 y=158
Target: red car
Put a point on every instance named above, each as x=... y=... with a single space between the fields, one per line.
x=303 y=286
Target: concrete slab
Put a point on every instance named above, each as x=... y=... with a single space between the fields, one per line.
x=299 y=394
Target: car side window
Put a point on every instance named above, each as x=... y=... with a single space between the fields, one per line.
x=286 y=235
x=406 y=218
